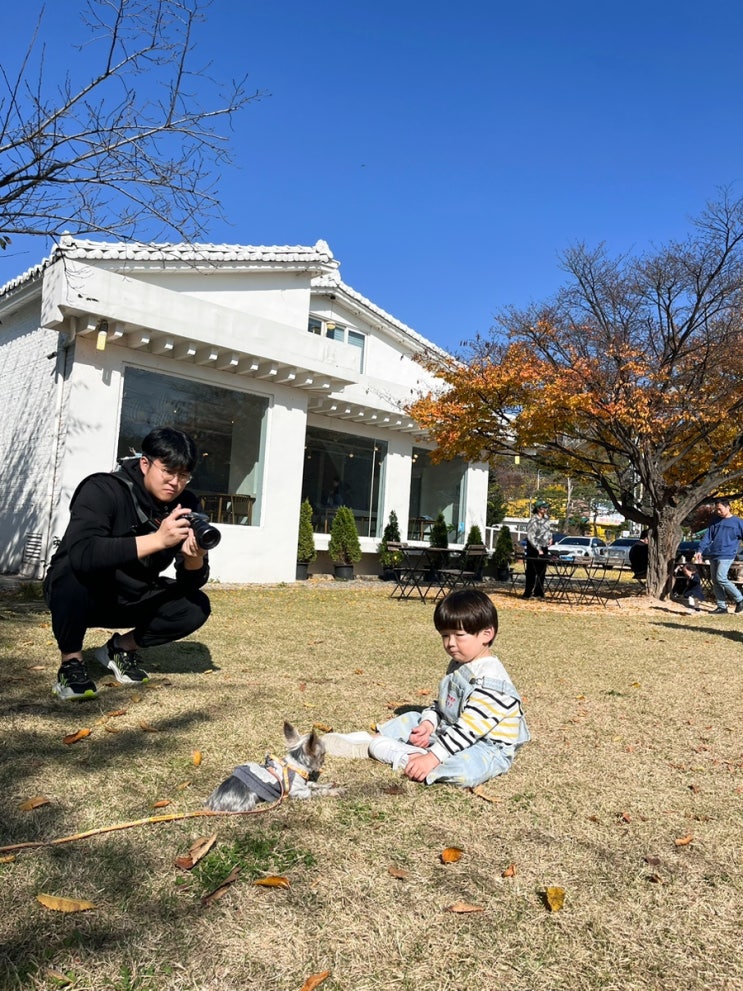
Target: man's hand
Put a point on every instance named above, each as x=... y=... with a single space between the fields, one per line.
x=421 y=734
x=419 y=766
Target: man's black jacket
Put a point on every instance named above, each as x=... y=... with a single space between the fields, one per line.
x=99 y=544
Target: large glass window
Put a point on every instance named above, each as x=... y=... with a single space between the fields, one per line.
x=229 y=430
x=436 y=489
x=343 y=470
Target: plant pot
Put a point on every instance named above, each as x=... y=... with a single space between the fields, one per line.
x=302 y=569
x=343 y=572
x=502 y=573
x=388 y=574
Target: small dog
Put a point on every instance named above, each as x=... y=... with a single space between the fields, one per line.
x=294 y=775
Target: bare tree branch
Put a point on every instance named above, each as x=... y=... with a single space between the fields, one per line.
x=135 y=147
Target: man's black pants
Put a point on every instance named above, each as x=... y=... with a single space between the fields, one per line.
x=163 y=613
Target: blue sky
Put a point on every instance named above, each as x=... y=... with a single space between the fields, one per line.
x=449 y=152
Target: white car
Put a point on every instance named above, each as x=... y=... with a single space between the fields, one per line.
x=577 y=547
x=618 y=550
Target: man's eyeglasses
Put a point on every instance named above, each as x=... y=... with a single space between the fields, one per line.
x=183 y=477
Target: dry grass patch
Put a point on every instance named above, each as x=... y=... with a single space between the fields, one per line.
x=635 y=715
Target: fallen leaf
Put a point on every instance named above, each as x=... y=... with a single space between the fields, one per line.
x=358 y=671
x=451 y=855
x=222 y=888
x=196 y=758
x=322 y=727
x=652 y=861
x=111 y=729
x=625 y=817
x=510 y=871
x=76 y=737
x=272 y=881
x=423 y=691
x=655 y=879
x=315 y=980
x=185 y=784
x=36 y=667
x=116 y=712
x=147 y=728
x=479 y=790
x=7 y=859
x=58 y=904
x=34 y=803
x=555 y=898
x=684 y=840
x=462 y=907
x=398 y=872
x=394 y=790
x=162 y=804
x=61 y=979
x=694 y=789
x=198 y=850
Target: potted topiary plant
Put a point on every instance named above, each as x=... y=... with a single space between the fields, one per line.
x=344 y=548
x=306 y=552
x=503 y=554
x=474 y=537
x=390 y=559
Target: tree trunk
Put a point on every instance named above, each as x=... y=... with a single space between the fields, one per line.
x=664 y=539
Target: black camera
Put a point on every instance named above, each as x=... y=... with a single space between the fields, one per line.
x=207 y=536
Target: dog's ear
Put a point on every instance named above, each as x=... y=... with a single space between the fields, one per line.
x=290 y=735
x=314 y=746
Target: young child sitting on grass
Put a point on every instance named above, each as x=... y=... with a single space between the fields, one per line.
x=473 y=730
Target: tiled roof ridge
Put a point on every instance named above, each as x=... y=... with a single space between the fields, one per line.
x=82 y=248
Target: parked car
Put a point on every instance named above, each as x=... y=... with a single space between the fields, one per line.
x=577 y=547
x=618 y=550
x=688 y=548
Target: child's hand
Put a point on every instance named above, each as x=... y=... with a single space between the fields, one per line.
x=421 y=734
x=419 y=766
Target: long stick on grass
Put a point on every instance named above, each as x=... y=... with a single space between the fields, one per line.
x=173 y=817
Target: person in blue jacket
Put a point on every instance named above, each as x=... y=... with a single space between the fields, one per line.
x=719 y=545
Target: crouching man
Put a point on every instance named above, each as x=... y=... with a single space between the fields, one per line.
x=127 y=527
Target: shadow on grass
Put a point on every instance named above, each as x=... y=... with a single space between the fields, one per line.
x=736 y=636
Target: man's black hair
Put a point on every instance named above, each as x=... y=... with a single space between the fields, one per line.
x=174 y=448
x=466 y=609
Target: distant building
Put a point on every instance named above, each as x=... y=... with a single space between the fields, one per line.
x=292 y=384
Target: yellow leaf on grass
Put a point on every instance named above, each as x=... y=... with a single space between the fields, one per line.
x=116 y=712
x=272 y=881
x=8 y=859
x=462 y=907
x=147 y=728
x=510 y=871
x=322 y=727
x=315 y=980
x=163 y=803
x=555 y=898
x=196 y=758
x=479 y=790
x=398 y=873
x=58 y=904
x=76 y=737
x=34 y=803
x=684 y=840
x=184 y=785
x=451 y=855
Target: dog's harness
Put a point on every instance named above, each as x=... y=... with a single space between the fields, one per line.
x=270 y=780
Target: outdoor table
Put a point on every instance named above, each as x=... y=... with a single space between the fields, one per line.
x=558 y=578
x=421 y=570
x=600 y=584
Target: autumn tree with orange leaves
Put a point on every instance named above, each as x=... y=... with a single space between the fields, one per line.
x=631 y=376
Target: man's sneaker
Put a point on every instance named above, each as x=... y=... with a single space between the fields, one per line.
x=719 y=612
x=123 y=663
x=73 y=682
x=739 y=607
x=347 y=744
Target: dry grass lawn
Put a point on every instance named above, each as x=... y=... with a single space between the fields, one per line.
x=636 y=720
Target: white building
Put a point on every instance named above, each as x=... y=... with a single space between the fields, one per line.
x=292 y=384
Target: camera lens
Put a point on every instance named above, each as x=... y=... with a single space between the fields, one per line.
x=207 y=536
